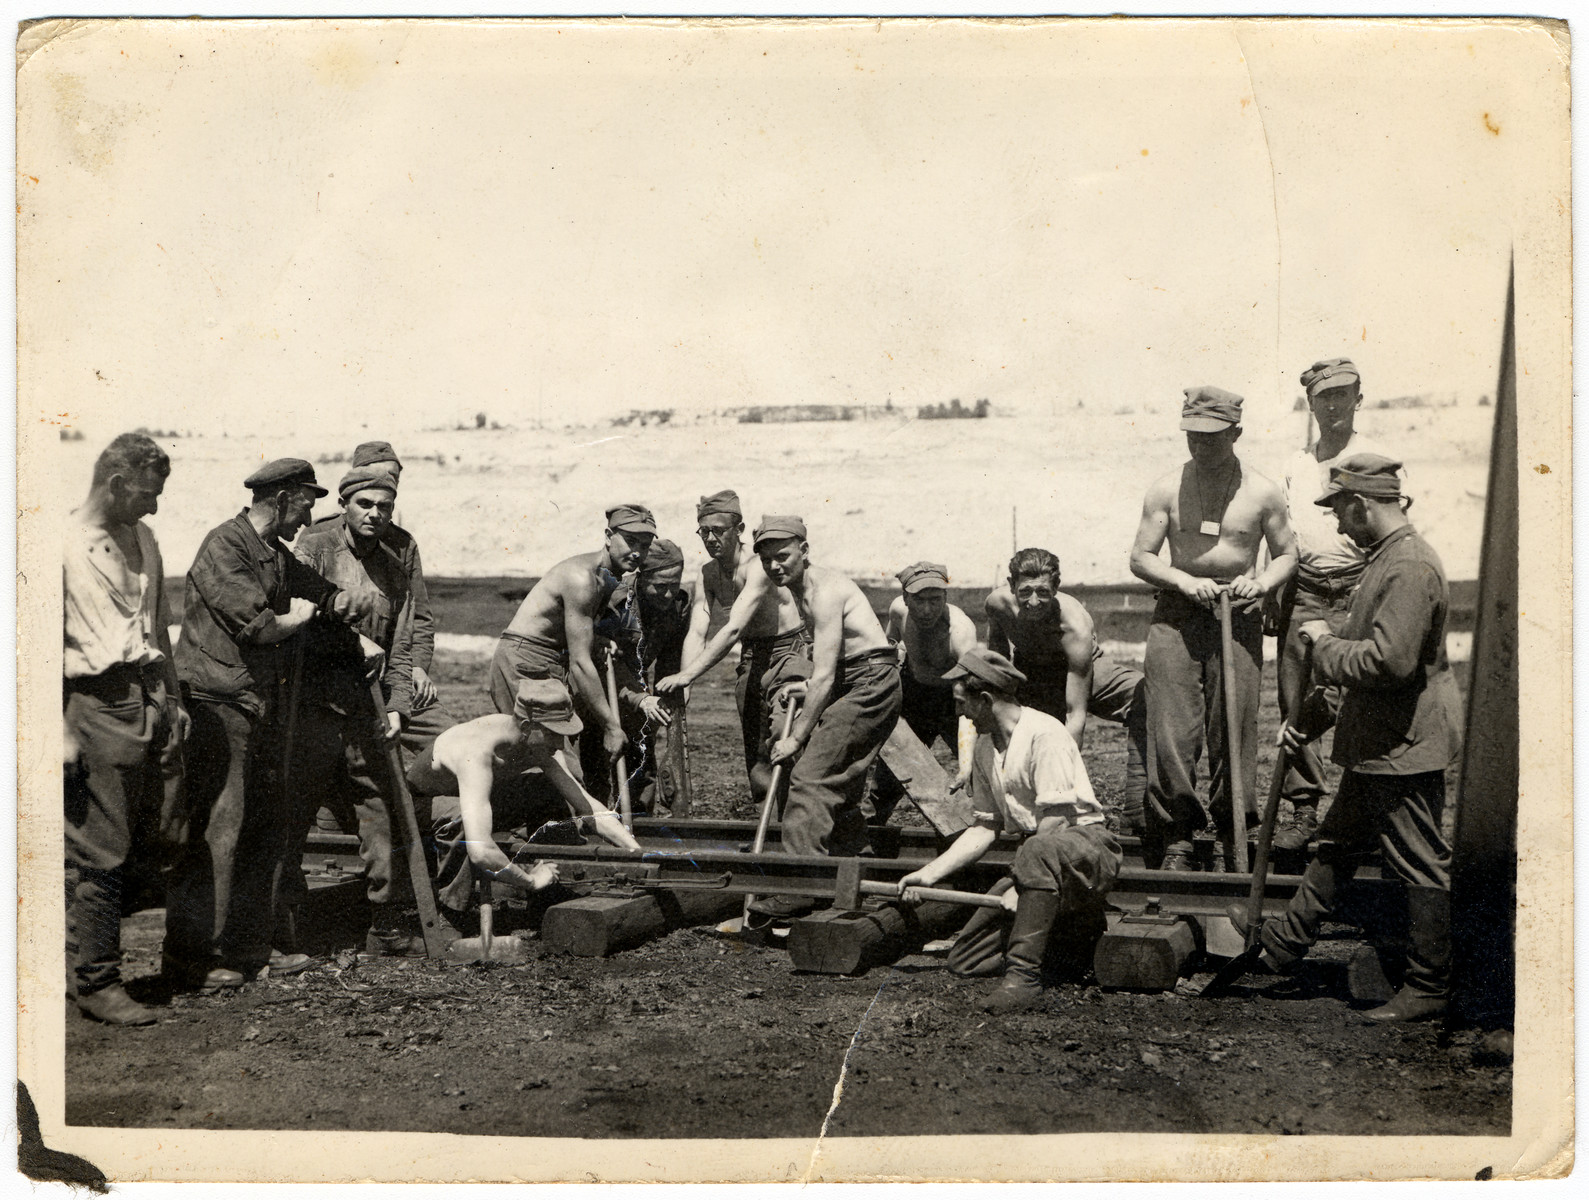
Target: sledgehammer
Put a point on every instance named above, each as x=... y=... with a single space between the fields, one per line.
x=849 y=887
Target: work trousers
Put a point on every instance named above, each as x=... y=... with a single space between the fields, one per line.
x=123 y=795
x=930 y=712
x=1186 y=712
x=828 y=781
x=218 y=907
x=757 y=656
x=1304 y=782
x=1079 y=862
x=340 y=762
x=523 y=803
x=517 y=658
x=1118 y=695
x=1399 y=816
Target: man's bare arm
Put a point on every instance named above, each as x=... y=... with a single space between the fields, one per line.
x=700 y=619
x=739 y=615
x=998 y=638
x=1076 y=637
x=474 y=775
x=827 y=643
x=579 y=601
x=1152 y=532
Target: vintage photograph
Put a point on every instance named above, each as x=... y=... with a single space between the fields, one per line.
x=801 y=600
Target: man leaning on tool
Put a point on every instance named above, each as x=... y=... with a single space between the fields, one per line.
x=551 y=635
x=1215 y=512
x=340 y=755
x=1395 y=735
x=1027 y=779
x=123 y=714
x=765 y=623
x=1329 y=564
x=850 y=706
x=246 y=595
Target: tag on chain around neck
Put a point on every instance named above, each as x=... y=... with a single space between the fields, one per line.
x=1210 y=528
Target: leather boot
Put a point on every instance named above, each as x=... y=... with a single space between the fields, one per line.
x=1427 y=989
x=1023 y=969
x=1301 y=831
x=386 y=939
x=114 y=1006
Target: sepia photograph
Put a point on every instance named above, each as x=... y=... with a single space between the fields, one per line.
x=794 y=600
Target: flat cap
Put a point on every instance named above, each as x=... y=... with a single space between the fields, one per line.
x=1210 y=409
x=369 y=476
x=725 y=501
x=1365 y=475
x=663 y=562
x=921 y=575
x=284 y=472
x=777 y=528
x=981 y=663
x=547 y=703
x=1330 y=373
x=631 y=518
x=366 y=453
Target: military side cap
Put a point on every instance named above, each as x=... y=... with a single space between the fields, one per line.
x=366 y=453
x=777 y=528
x=547 y=703
x=1210 y=410
x=369 y=476
x=284 y=472
x=981 y=663
x=663 y=561
x=725 y=501
x=631 y=518
x=923 y=575
x=1330 y=373
x=1365 y=475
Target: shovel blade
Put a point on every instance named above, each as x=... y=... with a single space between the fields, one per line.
x=1233 y=971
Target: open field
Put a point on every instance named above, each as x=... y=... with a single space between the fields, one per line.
x=693 y=1035
x=876 y=494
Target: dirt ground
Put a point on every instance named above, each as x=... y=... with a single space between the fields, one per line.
x=698 y=1035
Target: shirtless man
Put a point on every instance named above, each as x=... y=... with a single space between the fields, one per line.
x=1215 y=513
x=768 y=629
x=550 y=636
x=1049 y=636
x=931 y=635
x=499 y=771
x=851 y=703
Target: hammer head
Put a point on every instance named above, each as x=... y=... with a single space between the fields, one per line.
x=847 y=885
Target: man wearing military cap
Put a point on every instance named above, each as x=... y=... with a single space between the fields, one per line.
x=1028 y=780
x=1329 y=564
x=339 y=756
x=552 y=634
x=246 y=595
x=762 y=619
x=1385 y=684
x=850 y=703
x=931 y=635
x=1215 y=512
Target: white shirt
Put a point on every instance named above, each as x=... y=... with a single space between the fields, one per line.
x=106 y=626
x=1321 y=546
x=1039 y=775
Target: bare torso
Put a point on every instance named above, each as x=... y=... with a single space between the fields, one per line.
x=862 y=632
x=1041 y=640
x=1195 y=499
x=930 y=650
x=581 y=585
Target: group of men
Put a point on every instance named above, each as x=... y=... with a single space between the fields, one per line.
x=299 y=673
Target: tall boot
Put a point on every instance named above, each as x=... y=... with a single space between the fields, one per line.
x=1023 y=970
x=1427 y=989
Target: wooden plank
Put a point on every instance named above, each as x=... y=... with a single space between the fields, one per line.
x=596 y=926
x=836 y=942
x=924 y=782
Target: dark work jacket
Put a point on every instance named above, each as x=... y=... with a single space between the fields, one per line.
x=376 y=579
x=237 y=578
x=401 y=543
x=1398 y=708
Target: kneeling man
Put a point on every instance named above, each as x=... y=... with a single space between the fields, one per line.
x=497 y=772
x=1027 y=779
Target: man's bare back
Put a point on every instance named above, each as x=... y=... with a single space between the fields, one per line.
x=579 y=585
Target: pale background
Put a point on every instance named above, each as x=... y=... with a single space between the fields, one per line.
x=309 y=235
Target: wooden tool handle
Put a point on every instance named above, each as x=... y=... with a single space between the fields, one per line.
x=772 y=797
x=1233 y=780
x=976 y=899
x=620 y=769
x=418 y=869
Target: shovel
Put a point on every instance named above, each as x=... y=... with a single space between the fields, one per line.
x=1233 y=779
x=1248 y=958
x=486 y=948
x=766 y=818
x=620 y=769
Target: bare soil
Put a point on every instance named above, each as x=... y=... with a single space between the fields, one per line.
x=698 y=1035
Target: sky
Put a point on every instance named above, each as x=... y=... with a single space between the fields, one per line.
x=231 y=228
